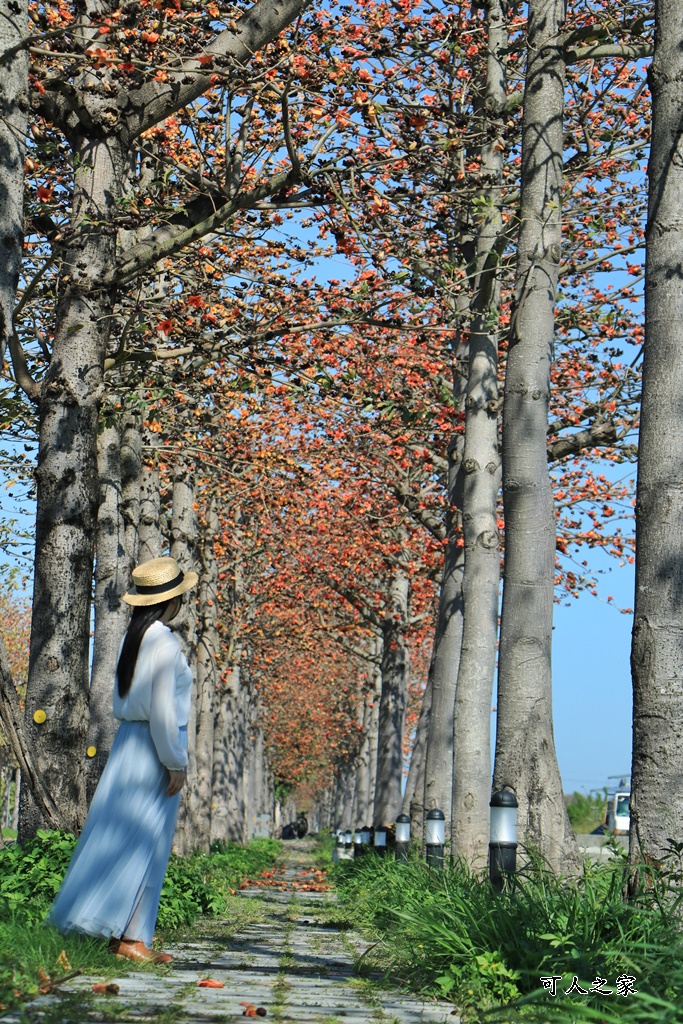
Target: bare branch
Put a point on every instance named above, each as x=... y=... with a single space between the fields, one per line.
x=162 y=243
x=627 y=51
x=22 y=374
x=147 y=356
x=595 y=436
x=156 y=101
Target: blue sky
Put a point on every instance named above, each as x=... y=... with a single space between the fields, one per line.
x=592 y=699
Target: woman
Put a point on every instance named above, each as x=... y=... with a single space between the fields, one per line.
x=113 y=884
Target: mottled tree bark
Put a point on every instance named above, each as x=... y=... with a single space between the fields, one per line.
x=480 y=488
x=67 y=489
x=112 y=576
x=184 y=550
x=228 y=810
x=338 y=801
x=374 y=723
x=392 y=713
x=413 y=798
x=150 y=537
x=437 y=767
x=349 y=778
x=13 y=126
x=208 y=646
x=657 y=652
x=131 y=482
x=525 y=749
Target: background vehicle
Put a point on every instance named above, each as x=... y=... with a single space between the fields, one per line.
x=618 y=810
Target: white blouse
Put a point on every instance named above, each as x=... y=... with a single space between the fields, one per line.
x=160 y=693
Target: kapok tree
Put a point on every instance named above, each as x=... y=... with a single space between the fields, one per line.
x=101 y=100
x=657 y=780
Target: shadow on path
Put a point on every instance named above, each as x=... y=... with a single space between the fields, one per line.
x=290 y=963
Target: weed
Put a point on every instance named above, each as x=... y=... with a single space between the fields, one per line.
x=30 y=876
x=449 y=933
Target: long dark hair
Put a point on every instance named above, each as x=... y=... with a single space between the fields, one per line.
x=142 y=618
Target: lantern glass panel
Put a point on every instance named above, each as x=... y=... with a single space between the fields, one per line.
x=436 y=832
x=402 y=831
x=503 y=824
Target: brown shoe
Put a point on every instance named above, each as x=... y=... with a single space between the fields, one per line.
x=138 y=951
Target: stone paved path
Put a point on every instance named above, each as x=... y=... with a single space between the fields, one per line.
x=292 y=963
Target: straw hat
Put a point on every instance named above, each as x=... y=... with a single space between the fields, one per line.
x=159 y=580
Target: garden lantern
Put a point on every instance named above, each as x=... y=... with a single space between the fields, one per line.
x=339 y=848
x=348 y=844
x=436 y=837
x=380 y=843
x=402 y=837
x=365 y=835
x=357 y=842
x=503 y=840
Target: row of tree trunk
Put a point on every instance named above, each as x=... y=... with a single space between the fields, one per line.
x=93 y=495
x=229 y=792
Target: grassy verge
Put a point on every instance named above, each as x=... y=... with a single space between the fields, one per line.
x=448 y=933
x=34 y=956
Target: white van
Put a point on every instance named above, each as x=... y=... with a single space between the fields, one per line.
x=618 y=812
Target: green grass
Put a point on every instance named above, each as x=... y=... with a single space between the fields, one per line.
x=30 y=875
x=323 y=851
x=449 y=933
x=27 y=949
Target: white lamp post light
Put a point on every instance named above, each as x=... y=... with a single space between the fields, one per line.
x=436 y=837
x=503 y=839
x=402 y=837
x=380 y=841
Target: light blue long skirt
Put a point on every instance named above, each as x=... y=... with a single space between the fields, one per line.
x=113 y=883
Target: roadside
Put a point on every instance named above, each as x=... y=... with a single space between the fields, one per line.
x=288 y=956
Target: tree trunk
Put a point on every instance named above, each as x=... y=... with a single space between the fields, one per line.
x=414 y=791
x=657 y=653
x=13 y=125
x=437 y=757
x=112 y=576
x=525 y=748
x=150 y=539
x=184 y=550
x=392 y=712
x=131 y=482
x=481 y=484
x=67 y=490
x=207 y=682
x=338 y=801
x=17 y=795
x=349 y=777
x=374 y=724
x=325 y=808
x=363 y=809
x=438 y=750
x=227 y=813
x=6 y=797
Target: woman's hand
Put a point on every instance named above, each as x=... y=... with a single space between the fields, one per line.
x=177 y=782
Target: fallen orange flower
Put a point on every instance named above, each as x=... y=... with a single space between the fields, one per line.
x=106 y=988
x=210 y=983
